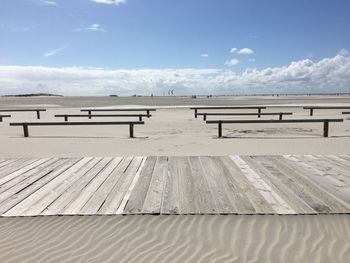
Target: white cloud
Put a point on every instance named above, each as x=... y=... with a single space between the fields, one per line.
x=233 y=50
x=204 y=55
x=93 y=27
x=251 y=60
x=232 y=62
x=47 y=2
x=326 y=75
x=245 y=51
x=53 y=52
x=110 y=2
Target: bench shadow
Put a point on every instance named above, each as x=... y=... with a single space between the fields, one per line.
x=77 y=137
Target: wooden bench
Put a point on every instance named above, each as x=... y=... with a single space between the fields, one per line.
x=23 y=110
x=66 y=116
x=259 y=108
x=325 y=123
x=280 y=114
x=25 y=125
x=4 y=116
x=311 y=108
x=147 y=110
x=346 y=112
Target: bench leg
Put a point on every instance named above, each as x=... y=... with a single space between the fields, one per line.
x=140 y=117
x=38 y=114
x=219 y=129
x=259 y=111
x=325 y=128
x=25 y=130
x=0 y=119
x=131 y=130
x=65 y=118
x=281 y=116
x=89 y=114
x=195 y=113
x=147 y=113
x=311 y=112
x=204 y=117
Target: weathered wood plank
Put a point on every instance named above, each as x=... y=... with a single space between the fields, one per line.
x=27 y=168
x=33 y=183
x=276 y=201
x=14 y=166
x=303 y=177
x=246 y=198
x=203 y=196
x=114 y=199
x=154 y=198
x=70 y=191
x=88 y=186
x=15 y=183
x=276 y=180
x=7 y=162
x=186 y=186
x=126 y=197
x=171 y=203
x=138 y=195
x=218 y=185
x=294 y=184
x=33 y=205
x=339 y=162
x=329 y=167
x=329 y=183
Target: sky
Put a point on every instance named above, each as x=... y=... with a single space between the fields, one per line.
x=125 y=47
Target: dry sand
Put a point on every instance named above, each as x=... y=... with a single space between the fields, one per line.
x=176 y=239
x=175 y=131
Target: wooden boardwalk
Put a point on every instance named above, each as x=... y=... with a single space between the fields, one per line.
x=289 y=184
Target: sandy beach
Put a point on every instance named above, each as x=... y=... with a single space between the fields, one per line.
x=175 y=239
x=173 y=131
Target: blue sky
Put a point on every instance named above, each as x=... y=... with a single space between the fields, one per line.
x=163 y=34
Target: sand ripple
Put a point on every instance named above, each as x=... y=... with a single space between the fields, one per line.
x=209 y=238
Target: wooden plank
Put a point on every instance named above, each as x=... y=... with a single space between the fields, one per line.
x=186 y=186
x=92 y=181
x=18 y=180
x=171 y=203
x=138 y=195
x=33 y=184
x=329 y=167
x=114 y=199
x=278 y=183
x=324 y=179
x=25 y=169
x=246 y=198
x=131 y=188
x=37 y=202
x=204 y=200
x=276 y=201
x=99 y=197
x=218 y=185
x=69 y=192
x=13 y=167
x=154 y=197
x=340 y=163
x=7 y=162
x=298 y=187
x=303 y=177
x=112 y=172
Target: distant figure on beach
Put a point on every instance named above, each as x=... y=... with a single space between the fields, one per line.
x=152 y=96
